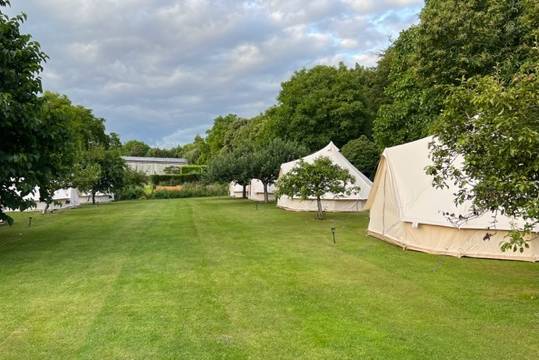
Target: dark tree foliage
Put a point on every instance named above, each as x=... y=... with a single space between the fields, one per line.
x=454 y=40
x=112 y=174
x=28 y=143
x=217 y=134
x=267 y=160
x=234 y=166
x=460 y=39
x=324 y=104
x=409 y=108
x=363 y=154
x=135 y=148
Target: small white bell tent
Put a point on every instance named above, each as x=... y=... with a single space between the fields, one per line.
x=235 y=190
x=330 y=202
x=86 y=197
x=62 y=198
x=405 y=209
x=256 y=191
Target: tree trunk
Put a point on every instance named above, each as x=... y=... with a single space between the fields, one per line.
x=266 y=195
x=46 y=207
x=320 y=213
x=244 y=195
x=93 y=197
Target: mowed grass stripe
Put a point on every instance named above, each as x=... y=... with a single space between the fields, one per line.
x=164 y=303
x=221 y=278
x=55 y=282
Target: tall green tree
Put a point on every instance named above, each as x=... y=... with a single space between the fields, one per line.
x=29 y=142
x=135 y=148
x=197 y=151
x=216 y=135
x=308 y=180
x=363 y=154
x=454 y=40
x=105 y=167
x=250 y=132
x=324 y=104
x=409 y=107
x=57 y=109
x=236 y=166
x=267 y=160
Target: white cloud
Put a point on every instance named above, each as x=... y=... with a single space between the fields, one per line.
x=160 y=70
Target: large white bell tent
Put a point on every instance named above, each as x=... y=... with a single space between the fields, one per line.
x=235 y=190
x=405 y=209
x=330 y=202
x=256 y=191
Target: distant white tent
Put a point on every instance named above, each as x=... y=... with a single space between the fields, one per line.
x=407 y=210
x=235 y=190
x=330 y=202
x=86 y=197
x=62 y=198
x=256 y=191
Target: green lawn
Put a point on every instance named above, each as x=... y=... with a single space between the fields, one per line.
x=219 y=278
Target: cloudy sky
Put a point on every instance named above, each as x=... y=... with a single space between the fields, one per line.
x=161 y=70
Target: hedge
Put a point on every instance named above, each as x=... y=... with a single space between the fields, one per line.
x=174 y=179
x=185 y=169
x=192 y=190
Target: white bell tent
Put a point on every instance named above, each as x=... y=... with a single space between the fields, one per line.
x=235 y=190
x=62 y=198
x=330 y=202
x=405 y=209
x=86 y=197
x=256 y=191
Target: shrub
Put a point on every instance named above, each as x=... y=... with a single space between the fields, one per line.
x=185 y=169
x=172 y=180
x=131 y=192
x=193 y=169
x=192 y=190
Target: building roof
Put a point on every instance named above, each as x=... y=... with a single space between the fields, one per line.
x=148 y=159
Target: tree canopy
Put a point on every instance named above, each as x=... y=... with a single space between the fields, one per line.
x=363 y=154
x=454 y=40
x=29 y=143
x=324 y=104
x=135 y=148
x=267 y=160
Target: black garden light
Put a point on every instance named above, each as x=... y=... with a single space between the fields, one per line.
x=333 y=228
x=29 y=221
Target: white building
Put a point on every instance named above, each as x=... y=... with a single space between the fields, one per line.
x=153 y=165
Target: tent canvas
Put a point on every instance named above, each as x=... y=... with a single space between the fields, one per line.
x=235 y=190
x=62 y=198
x=256 y=191
x=330 y=202
x=407 y=210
